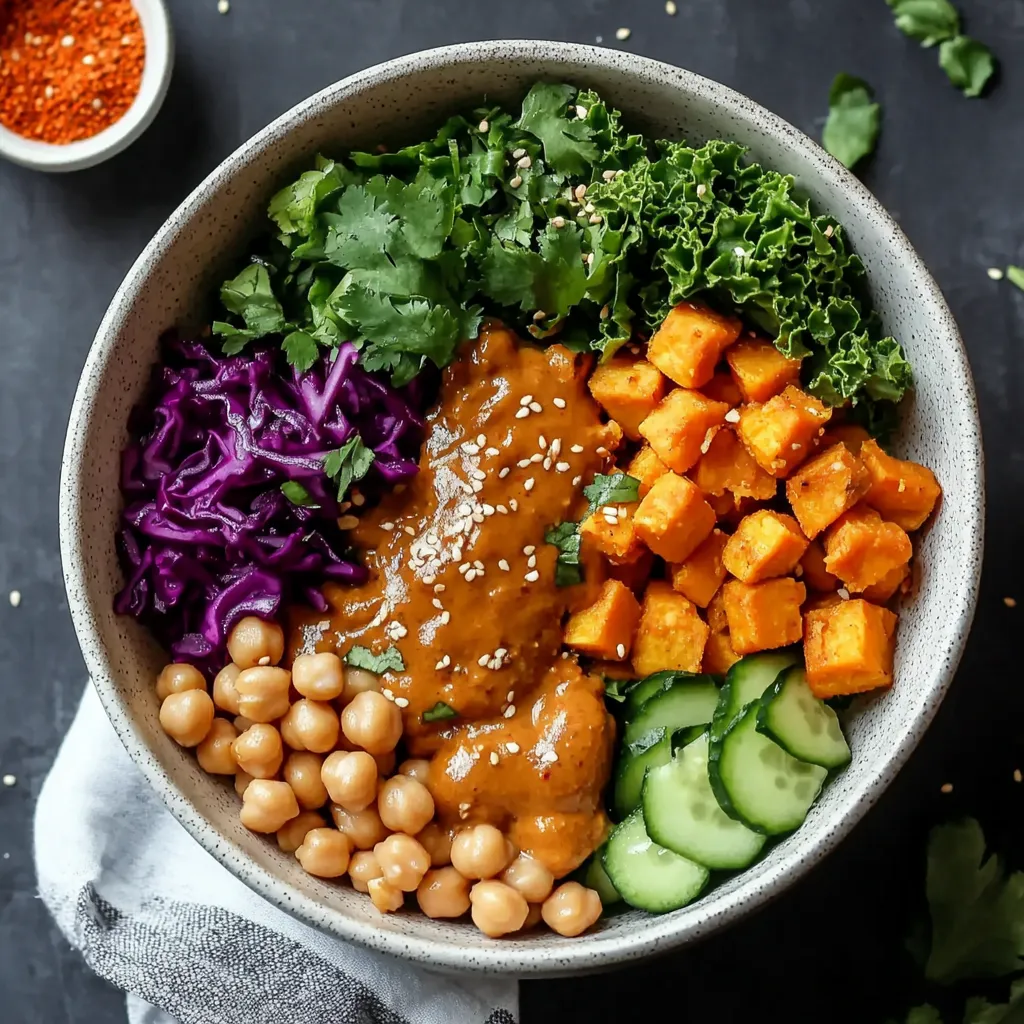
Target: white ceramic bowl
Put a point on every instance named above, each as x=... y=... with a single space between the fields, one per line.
x=156 y=76
x=399 y=102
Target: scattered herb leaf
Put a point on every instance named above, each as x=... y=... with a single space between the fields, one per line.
x=348 y=464
x=387 y=661
x=614 y=489
x=967 y=63
x=439 y=712
x=981 y=1011
x=851 y=130
x=1015 y=275
x=297 y=494
x=927 y=21
x=568 y=568
x=617 y=689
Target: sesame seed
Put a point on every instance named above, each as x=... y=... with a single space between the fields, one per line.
x=547 y=464
x=577 y=480
x=491 y=452
x=513 y=504
x=479 y=474
x=494 y=757
x=223 y=6
x=348 y=522
x=408 y=529
x=48 y=92
x=670 y=7
x=516 y=181
x=1010 y=602
x=529 y=484
x=581 y=113
x=358 y=499
x=595 y=218
x=477 y=487
x=1017 y=775
x=446 y=617
x=558 y=222
x=503 y=472
x=542 y=442
x=798 y=570
x=464 y=568
x=589 y=208
x=503 y=565
x=622 y=34
x=608 y=175
x=549 y=757
x=483 y=126
x=844 y=594
x=902 y=486
x=576 y=449
x=531 y=561
x=580 y=190
x=512 y=748
x=994 y=273
x=470 y=449
x=483 y=659
x=67 y=41
x=439 y=588
x=532 y=577
x=620 y=650
x=529 y=549
x=437 y=604
x=509 y=711
x=501 y=509
x=443 y=663
x=590 y=259
x=521 y=414
x=559 y=403
x=701 y=190
x=523 y=463
x=388 y=693
x=517 y=153
x=481 y=439
x=740 y=251
x=536 y=407
x=946 y=787
x=612 y=520
x=732 y=416
x=387 y=527
x=524 y=162
x=602 y=451
x=795 y=447
x=488 y=510
x=539 y=315
x=471 y=575
x=10 y=780
x=828 y=231
x=538 y=457
x=88 y=59
x=15 y=598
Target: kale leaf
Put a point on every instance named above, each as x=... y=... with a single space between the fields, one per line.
x=851 y=130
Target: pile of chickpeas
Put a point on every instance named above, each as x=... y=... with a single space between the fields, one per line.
x=320 y=740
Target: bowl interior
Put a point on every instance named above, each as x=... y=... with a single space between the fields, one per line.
x=397 y=103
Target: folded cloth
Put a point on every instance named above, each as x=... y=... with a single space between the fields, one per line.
x=154 y=914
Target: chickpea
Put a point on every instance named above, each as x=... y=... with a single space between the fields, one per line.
x=480 y=851
x=187 y=716
x=403 y=861
x=358 y=680
x=242 y=780
x=177 y=678
x=571 y=909
x=291 y=837
x=437 y=841
x=254 y=639
x=405 y=805
x=225 y=696
x=324 y=853
x=416 y=768
x=497 y=908
x=372 y=722
x=267 y=805
x=533 y=918
x=310 y=725
x=318 y=676
x=385 y=763
x=242 y=723
x=263 y=693
x=443 y=893
x=350 y=778
x=215 y=753
x=362 y=869
x=530 y=878
x=364 y=827
x=259 y=751
x=386 y=898
x=302 y=773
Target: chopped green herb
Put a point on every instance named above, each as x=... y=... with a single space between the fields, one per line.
x=1015 y=275
x=387 y=661
x=348 y=464
x=566 y=537
x=297 y=494
x=851 y=130
x=617 y=689
x=439 y=712
x=614 y=489
x=981 y=1011
x=967 y=63
x=927 y=21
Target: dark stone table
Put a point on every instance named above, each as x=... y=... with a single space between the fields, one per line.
x=947 y=167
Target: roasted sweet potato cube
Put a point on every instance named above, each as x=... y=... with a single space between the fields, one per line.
x=719 y=656
x=760 y=370
x=678 y=429
x=610 y=529
x=674 y=518
x=763 y=616
x=816 y=601
x=848 y=648
x=606 y=628
x=783 y=431
x=888 y=585
x=646 y=467
x=699 y=576
x=634 y=574
x=765 y=544
x=861 y=548
x=853 y=435
x=715 y=613
x=722 y=388
x=627 y=389
x=815 y=575
x=825 y=487
x=690 y=342
x=904 y=492
x=671 y=634
x=728 y=466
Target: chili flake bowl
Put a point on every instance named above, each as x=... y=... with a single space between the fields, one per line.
x=396 y=103
x=156 y=77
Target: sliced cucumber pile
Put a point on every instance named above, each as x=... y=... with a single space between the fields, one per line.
x=683 y=703
x=745 y=682
x=650 y=751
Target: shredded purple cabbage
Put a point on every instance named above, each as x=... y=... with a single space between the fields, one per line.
x=207 y=537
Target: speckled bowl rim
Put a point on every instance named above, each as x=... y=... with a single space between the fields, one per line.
x=654 y=934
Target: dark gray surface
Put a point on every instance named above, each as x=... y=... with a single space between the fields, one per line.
x=949 y=168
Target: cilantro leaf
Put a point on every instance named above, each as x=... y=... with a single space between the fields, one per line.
x=563 y=280
x=359 y=232
x=851 y=130
x=294 y=208
x=348 y=464
x=250 y=295
x=617 y=689
x=389 y=660
x=300 y=350
x=968 y=64
x=981 y=1011
x=614 y=489
x=927 y=21
x=297 y=494
x=1015 y=275
x=508 y=275
x=566 y=538
x=565 y=138
x=439 y=713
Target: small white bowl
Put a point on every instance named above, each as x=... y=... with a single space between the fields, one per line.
x=156 y=76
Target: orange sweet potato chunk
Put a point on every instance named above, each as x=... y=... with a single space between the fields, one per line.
x=717 y=619
x=817 y=601
x=815 y=575
x=783 y=431
x=825 y=487
x=722 y=388
x=904 y=492
x=765 y=544
x=852 y=435
x=615 y=535
x=646 y=467
x=728 y=466
x=848 y=648
x=627 y=389
x=885 y=589
x=674 y=518
x=763 y=616
x=861 y=548
x=690 y=342
x=633 y=574
x=606 y=628
x=671 y=634
x=677 y=429
x=760 y=370
x=719 y=656
x=699 y=576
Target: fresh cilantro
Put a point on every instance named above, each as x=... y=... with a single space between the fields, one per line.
x=851 y=130
x=615 y=489
x=251 y=296
x=348 y=464
x=438 y=713
x=297 y=494
x=565 y=137
x=617 y=689
x=294 y=208
x=981 y=1011
x=927 y=21
x=300 y=350
x=566 y=538
x=968 y=64
x=1015 y=275
x=389 y=660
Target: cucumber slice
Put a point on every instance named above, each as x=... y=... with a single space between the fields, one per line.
x=647 y=688
x=646 y=875
x=745 y=682
x=682 y=814
x=801 y=724
x=596 y=878
x=684 y=703
x=757 y=782
x=653 y=749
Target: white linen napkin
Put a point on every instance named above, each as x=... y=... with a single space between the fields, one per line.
x=154 y=914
